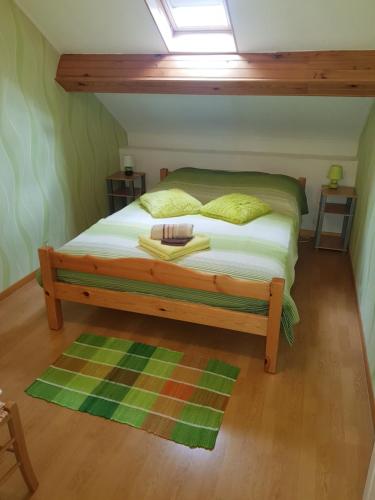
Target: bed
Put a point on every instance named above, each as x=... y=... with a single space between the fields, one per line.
x=242 y=283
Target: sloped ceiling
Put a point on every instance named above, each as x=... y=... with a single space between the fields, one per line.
x=302 y=125
x=110 y=26
x=307 y=125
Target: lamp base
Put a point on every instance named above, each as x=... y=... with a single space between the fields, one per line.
x=333 y=184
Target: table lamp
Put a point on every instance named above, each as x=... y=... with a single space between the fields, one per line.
x=334 y=175
x=128 y=164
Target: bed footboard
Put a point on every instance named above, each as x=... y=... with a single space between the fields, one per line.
x=165 y=273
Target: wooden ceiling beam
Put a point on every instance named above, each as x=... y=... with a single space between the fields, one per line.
x=325 y=73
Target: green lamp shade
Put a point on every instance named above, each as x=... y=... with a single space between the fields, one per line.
x=335 y=173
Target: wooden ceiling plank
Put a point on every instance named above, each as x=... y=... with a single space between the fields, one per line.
x=249 y=73
x=158 y=88
x=331 y=73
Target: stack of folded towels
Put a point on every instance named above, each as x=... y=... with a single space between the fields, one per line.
x=170 y=241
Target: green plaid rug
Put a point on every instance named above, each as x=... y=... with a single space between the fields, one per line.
x=168 y=393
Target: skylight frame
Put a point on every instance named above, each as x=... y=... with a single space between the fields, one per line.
x=196 y=41
x=197 y=29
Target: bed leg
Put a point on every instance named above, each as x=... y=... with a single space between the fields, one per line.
x=54 y=313
x=273 y=328
x=53 y=305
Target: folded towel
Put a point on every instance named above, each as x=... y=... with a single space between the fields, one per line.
x=165 y=252
x=169 y=231
x=176 y=242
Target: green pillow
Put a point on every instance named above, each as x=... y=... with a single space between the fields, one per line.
x=236 y=208
x=170 y=203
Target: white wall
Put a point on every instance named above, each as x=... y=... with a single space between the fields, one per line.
x=150 y=160
x=297 y=136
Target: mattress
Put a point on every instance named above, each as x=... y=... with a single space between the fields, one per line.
x=259 y=250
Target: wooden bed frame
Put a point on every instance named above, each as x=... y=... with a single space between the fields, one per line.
x=165 y=273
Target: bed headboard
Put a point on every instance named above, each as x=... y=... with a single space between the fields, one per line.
x=164 y=172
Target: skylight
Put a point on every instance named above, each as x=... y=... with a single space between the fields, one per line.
x=194 y=25
x=204 y=15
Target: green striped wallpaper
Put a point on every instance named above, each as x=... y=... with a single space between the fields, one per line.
x=363 y=240
x=55 y=150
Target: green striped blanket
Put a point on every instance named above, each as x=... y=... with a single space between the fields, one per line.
x=260 y=250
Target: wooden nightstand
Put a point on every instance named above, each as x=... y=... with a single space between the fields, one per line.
x=123 y=189
x=346 y=210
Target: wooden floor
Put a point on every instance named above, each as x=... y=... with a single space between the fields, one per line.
x=303 y=434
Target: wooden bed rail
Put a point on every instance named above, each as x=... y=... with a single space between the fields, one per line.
x=163 y=273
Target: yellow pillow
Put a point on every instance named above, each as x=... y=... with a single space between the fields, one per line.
x=170 y=203
x=236 y=208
